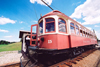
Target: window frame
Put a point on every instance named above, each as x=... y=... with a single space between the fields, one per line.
x=84 y=34
x=77 y=28
x=50 y=22
x=81 y=32
x=88 y=35
x=74 y=28
x=39 y=26
x=62 y=23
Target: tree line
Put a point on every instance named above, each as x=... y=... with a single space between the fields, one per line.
x=3 y=42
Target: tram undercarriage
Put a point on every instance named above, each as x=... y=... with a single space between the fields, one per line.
x=43 y=58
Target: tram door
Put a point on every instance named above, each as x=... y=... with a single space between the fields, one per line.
x=34 y=31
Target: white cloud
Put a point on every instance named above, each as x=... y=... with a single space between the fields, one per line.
x=90 y=10
x=96 y=26
x=40 y=2
x=21 y=22
x=3 y=30
x=8 y=36
x=98 y=34
x=4 y=20
x=89 y=28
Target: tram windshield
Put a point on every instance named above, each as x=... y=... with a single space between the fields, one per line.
x=50 y=26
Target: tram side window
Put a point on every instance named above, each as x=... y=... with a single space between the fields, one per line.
x=80 y=32
x=72 y=28
x=83 y=33
x=92 y=36
x=77 y=29
x=62 y=25
x=41 y=27
x=89 y=35
x=50 y=26
x=86 y=34
x=95 y=37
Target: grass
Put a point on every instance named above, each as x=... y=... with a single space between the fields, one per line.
x=11 y=47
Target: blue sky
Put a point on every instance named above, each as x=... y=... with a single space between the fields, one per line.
x=16 y=15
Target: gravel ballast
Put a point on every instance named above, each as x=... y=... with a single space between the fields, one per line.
x=9 y=57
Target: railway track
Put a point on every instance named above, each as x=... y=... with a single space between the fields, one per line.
x=69 y=62
x=65 y=63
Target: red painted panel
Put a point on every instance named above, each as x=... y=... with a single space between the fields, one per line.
x=81 y=41
x=63 y=41
x=50 y=41
x=58 y=41
x=75 y=41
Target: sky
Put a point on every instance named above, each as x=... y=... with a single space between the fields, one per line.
x=16 y=15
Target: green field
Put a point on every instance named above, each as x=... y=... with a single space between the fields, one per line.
x=11 y=47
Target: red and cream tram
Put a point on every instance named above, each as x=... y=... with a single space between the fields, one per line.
x=57 y=33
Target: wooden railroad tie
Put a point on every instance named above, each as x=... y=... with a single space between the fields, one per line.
x=68 y=64
x=61 y=66
x=76 y=59
x=73 y=62
x=80 y=57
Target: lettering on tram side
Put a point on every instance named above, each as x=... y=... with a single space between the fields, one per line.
x=49 y=41
x=86 y=41
x=89 y=41
x=92 y=41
